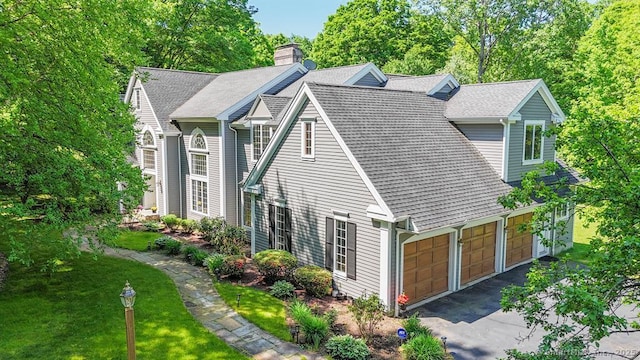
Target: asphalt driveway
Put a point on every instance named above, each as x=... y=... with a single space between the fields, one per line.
x=476 y=328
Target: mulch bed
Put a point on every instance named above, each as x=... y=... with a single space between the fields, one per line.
x=383 y=345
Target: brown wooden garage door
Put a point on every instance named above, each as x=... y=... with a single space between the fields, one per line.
x=478 y=252
x=426 y=268
x=519 y=244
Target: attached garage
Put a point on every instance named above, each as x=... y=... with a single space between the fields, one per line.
x=478 y=252
x=426 y=268
x=519 y=243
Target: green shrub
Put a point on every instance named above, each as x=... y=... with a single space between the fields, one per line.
x=172 y=246
x=346 y=347
x=225 y=238
x=233 y=266
x=161 y=242
x=315 y=328
x=282 y=289
x=194 y=255
x=368 y=312
x=214 y=262
x=171 y=221
x=414 y=328
x=151 y=226
x=331 y=316
x=188 y=226
x=424 y=347
x=314 y=279
x=275 y=264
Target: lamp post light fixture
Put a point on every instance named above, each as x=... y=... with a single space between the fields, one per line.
x=444 y=342
x=128 y=298
x=238 y=300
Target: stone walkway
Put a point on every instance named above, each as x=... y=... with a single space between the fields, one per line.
x=203 y=302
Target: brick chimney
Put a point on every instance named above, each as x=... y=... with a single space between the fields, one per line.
x=287 y=54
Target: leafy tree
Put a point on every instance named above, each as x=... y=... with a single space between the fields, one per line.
x=64 y=133
x=381 y=31
x=204 y=35
x=497 y=30
x=601 y=139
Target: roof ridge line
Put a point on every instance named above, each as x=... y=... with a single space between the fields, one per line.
x=177 y=70
x=368 y=88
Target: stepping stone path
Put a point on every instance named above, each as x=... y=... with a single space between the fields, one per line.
x=203 y=302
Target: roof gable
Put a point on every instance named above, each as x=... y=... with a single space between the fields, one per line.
x=167 y=89
x=494 y=101
x=435 y=175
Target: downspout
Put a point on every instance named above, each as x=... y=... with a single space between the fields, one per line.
x=235 y=175
x=180 y=173
x=395 y=296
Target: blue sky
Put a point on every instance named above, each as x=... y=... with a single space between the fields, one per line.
x=300 y=17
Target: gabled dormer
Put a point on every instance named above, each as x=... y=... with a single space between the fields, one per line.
x=506 y=122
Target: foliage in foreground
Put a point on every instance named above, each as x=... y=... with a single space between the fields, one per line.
x=346 y=347
x=314 y=327
x=65 y=132
x=275 y=264
x=423 y=347
x=601 y=140
x=368 y=312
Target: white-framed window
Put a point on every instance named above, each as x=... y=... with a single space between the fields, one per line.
x=148 y=151
x=199 y=164
x=199 y=201
x=279 y=226
x=340 y=244
x=308 y=138
x=533 y=142
x=149 y=159
x=198 y=156
x=246 y=209
x=261 y=135
x=562 y=212
x=137 y=93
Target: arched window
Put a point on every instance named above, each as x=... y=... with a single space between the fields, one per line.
x=147 y=139
x=199 y=172
x=198 y=142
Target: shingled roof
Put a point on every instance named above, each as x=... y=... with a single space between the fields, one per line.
x=168 y=89
x=491 y=100
x=336 y=75
x=275 y=104
x=417 y=161
x=414 y=83
x=229 y=89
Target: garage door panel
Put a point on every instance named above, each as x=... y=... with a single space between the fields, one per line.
x=426 y=269
x=519 y=243
x=478 y=252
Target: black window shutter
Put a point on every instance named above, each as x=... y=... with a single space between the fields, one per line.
x=328 y=246
x=287 y=228
x=351 y=251
x=272 y=226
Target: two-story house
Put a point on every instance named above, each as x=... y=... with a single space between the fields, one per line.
x=391 y=182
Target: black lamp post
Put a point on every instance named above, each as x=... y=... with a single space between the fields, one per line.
x=128 y=298
x=444 y=342
x=238 y=300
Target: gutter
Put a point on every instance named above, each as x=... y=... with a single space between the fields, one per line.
x=238 y=210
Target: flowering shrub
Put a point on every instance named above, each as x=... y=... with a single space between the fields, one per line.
x=403 y=299
x=275 y=264
x=233 y=266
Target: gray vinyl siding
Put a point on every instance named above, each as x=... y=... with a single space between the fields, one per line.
x=146 y=117
x=313 y=190
x=487 y=138
x=368 y=80
x=534 y=109
x=212 y=135
x=231 y=181
x=172 y=186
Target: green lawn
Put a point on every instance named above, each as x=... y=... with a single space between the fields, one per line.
x=258 y=307
x=76 y=314
x=581 y=239
x=136 y=240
